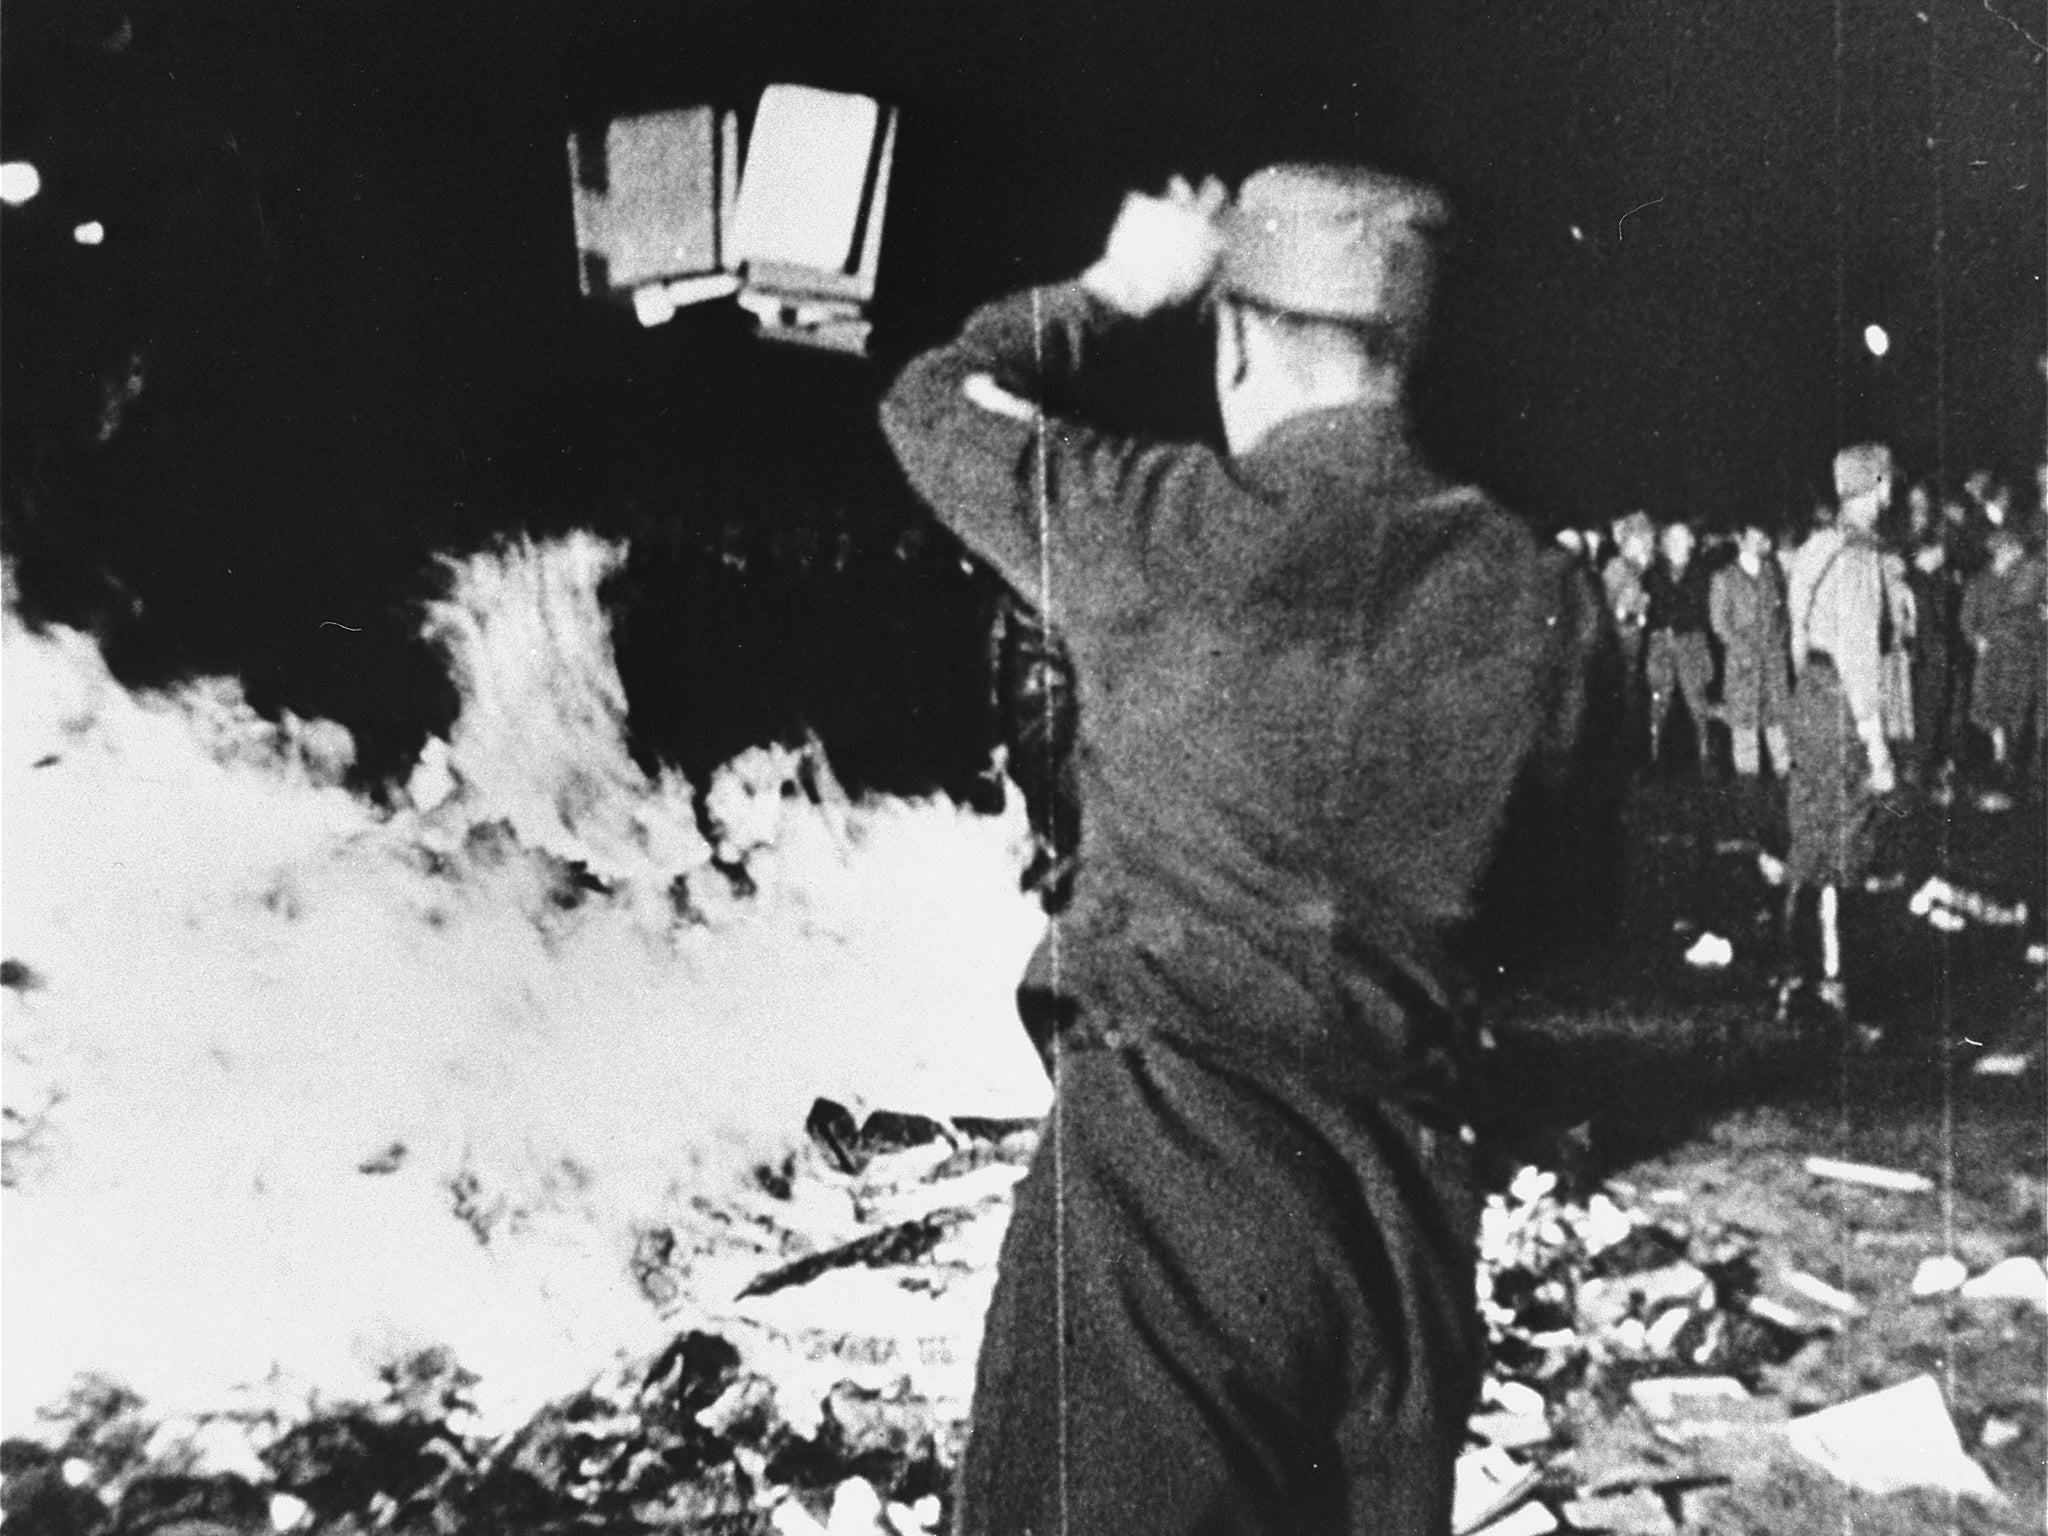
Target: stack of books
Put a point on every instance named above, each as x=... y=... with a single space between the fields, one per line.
x=668 y=214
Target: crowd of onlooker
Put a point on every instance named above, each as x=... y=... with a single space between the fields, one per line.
x=1892 y=638
x=1710 y=621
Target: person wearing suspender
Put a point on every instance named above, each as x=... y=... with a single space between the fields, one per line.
x=1838 y=588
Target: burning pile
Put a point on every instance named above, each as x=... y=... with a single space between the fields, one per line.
x=300 y=1088
x=1644 y=1379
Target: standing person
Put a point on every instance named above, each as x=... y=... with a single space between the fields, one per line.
x=1836 y=590
x=1746 y=605
x=1679 y=661
x=1628 y=603
x=1937 y=672
x=2002 y=621
x=1237 y=1292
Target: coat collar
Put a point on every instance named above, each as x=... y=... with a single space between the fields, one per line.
x=1364 y=444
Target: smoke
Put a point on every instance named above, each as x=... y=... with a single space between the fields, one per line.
x=297 y=1084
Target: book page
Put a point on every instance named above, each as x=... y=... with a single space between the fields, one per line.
x=806 y=170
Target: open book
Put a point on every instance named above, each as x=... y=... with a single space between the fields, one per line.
x=666 y=214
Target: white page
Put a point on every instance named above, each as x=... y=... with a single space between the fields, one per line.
x=807 y=165
x=658 y=217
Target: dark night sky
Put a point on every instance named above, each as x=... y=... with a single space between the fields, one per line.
x=1678 y=351
x=341 y=232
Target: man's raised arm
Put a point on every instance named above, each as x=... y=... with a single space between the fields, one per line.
x=1058 y=507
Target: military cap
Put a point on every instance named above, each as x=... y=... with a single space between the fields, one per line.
x=1859 y=469
x=1337 y=241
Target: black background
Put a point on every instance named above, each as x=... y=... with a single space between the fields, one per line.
x=338 y=235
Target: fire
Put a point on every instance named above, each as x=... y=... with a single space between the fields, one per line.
x=297 y=1084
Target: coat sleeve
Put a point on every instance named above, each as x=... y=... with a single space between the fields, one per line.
x=1074 y=518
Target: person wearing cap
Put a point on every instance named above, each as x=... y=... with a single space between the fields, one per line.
x=1837 y=590
x=1237 y=1293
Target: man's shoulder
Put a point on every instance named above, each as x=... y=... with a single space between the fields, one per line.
x=1469 y=541
x=1468 y=520
x=1821 y=546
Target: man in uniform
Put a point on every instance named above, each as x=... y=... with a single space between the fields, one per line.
x=1838 y=591
x=1237 y=1294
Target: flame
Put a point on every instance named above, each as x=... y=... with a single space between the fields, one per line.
x=297 y=1084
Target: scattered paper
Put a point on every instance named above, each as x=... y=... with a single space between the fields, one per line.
x=1813 y=1288
x=792 y=1519
x=1529 y=1520
x=2017 y=1279
x=2001 y=1064
x=1660 y=1335
x=1606 y=1225
x=1938 y=897
x=1488 y=1481
x=1675 y=1397
x=1777 y=1313
x=1999 y=1433
x=1514 y=1397
x=1511 y=1431
x=1866 y=1173
x=1892 y=1440
x=1711 y=952
x=1939 y=1275
x=1639 y=1512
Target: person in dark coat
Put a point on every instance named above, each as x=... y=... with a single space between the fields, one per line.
x=1937 y=666
x=1678 y=662
x=1746 y=603
x=2002 y=620
x=1237 y=1294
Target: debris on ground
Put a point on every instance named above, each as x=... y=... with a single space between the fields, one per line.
x=1710 y=952
x=1865 y=1173
x=1892 y=1440
x=2002 y=1064
x=1939 y=1275
x=1715 y=1349
x=2015 y=1279
x=1938 y=896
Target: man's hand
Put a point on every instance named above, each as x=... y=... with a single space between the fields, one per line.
x=1162 y=250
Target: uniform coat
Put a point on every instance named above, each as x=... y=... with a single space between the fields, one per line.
x=1309 y=679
